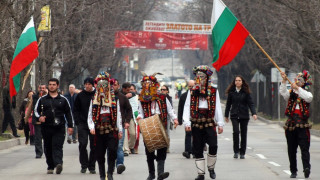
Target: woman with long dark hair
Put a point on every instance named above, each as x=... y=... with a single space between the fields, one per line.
x=238 y=104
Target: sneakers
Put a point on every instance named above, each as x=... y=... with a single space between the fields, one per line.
x=69 y=141
x=74 y=141
x=293 y=175
x=120 y=168
x=125 y=154
x=242 y=156
x=92 y=171
x=58 y=169
x=186 y=155
x=50 y=171
x=306 y=172
x=83 y=170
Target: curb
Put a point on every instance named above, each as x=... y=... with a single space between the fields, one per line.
x=268 y=121
x=11 y=142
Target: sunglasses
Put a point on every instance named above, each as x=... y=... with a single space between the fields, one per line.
x=164 y=90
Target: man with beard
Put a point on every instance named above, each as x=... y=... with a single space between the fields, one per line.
x=297 y=127
x=202 y=113
x=151 y=103
x=52 y=110
x=104 y=121
x=80 y=111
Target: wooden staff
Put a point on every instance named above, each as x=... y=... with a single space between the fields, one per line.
x=265 y=53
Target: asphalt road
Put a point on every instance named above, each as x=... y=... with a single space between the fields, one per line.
x=266 y=159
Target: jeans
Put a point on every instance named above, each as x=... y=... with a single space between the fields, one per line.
x=120 y=155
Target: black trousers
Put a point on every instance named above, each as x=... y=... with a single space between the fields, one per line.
x=298 y=137
x=38 y=140
x=151 y=156
x=201 y=137
x=8 y=119
x=26 y=130
x=188 y=142
x=243 y=123
x=53 y=139
x=104 y=142
x=83 y=137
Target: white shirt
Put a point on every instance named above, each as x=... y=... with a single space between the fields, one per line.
x=155 y=109
x=103 y=111
x=305 y=95
x=204 y=105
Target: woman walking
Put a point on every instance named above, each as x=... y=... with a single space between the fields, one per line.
x=26 y=118
x=238 y=104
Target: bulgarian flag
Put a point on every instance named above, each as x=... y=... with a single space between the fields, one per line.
x=228 y=35
x=26 y=51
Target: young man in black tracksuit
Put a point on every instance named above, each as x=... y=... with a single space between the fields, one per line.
x=80 y=111
x=52 y=109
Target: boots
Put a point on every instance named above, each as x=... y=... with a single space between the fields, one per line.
x=200 y=165
x=31 y=140
x=161 y=173
x=151 y=170
x=211 y=162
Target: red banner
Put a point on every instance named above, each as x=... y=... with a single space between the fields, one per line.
x=160 y=40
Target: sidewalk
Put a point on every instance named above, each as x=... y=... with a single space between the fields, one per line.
x=11 y=142
x=281 y=123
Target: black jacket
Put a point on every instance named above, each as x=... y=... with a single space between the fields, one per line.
x=182 y=100
x=81 y=107
x=62 y=110
x=239 y=102
x=8 y=104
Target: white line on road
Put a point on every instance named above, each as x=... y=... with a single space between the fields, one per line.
x=261 y=156
x=287 y=171
x=273 y=163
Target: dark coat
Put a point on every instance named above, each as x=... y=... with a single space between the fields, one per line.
x=8 y=104
x=81 y=107
x=125 y=107
x=240 y=103
x=182 y=101
x=71 y=99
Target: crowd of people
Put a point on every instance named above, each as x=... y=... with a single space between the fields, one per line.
x=107 y=118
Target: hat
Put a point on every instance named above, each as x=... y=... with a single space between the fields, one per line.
x=202 y=68
x=89 y=80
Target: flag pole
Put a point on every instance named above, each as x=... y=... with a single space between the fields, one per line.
x=28 y=72
x=265 y=53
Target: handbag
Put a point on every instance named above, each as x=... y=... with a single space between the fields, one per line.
x=21 y=123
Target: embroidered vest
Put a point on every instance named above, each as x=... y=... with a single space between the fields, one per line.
x=161 y=101
x=205 y=119
x=297 y=120
x=105 y=127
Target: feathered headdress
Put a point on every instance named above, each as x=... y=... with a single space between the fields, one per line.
x=307 y=79
x=149 y=90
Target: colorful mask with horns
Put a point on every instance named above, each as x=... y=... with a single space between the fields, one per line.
x=104 y=92
x=149 y=85
x=202 y=79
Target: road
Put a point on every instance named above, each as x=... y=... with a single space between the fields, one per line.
x=266 y=159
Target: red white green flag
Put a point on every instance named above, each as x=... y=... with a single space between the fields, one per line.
x=26 y=51
x=228 y=35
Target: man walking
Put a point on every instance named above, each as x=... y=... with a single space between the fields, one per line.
x=71 y=96
x=80 y=111
x=8 y=105
x=52 y=109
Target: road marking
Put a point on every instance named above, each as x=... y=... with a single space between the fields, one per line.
x=249 y=147
x=287 y=171
x=261 y=156
x=227 y=139
x=273 y=163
